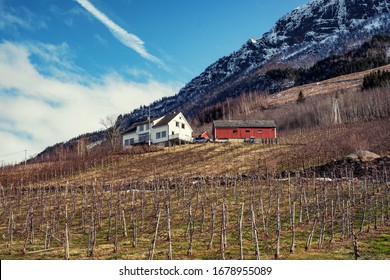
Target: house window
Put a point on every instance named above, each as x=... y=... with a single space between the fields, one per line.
x=235 y=131
x=147 y=126
x=127 y=142
x=131 y=140
x=158 y=135
x=183 y=126
x=141 y=127
x=247 y=131
x=163 y=134
x=260 y=132
x=177 y=124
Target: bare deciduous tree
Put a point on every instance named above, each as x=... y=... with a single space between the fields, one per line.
x=112 y=131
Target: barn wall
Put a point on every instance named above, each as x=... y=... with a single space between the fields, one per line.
x=244 y=133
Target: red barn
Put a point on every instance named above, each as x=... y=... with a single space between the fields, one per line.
x=239 y=130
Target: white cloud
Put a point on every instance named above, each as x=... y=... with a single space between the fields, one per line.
x=39 y=110
x=130 y=40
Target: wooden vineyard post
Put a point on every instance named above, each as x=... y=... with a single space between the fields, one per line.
x=269 y=200
x=369 y=218
x=255 y=239
x=306 y=205
x=345 y=226
x=292 y=246
x=277 y=228
x=169 y=237
x=134 y=233
x=382 y=212
x=332 y=223
x=100 y=210
x=52 y=229
x=257 y=248
x=387 y=197
x=263 y=219
x=116 y=238
x=322 y=230
x=191 y=230
x=212 y=226
x=109 y=216
x=153 y=246
x=323 y=212
x=225 y=223
x=203 y=218
x=253 y=222
x=240 y=232
x=10 y=231
x=355 y=246
x=310 y=238
x=348 y=220
x=375 y=213
x=47 y=237
x=223 y=230
x=92 y=236
x=83 y=209
x=32 y=225
x=28 y=227
x=3 y=197
x=124 y=223
x=300 y=208
x=66 y=235
x=364 y=212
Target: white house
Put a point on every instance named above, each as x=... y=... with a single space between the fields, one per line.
x=169 y=130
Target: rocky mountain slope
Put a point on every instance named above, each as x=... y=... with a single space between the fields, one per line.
x=307 y=34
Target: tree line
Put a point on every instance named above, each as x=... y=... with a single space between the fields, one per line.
x=370 y=55
x=376 y=79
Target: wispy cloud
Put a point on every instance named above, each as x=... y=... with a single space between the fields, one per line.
x=11 y=19
x=129 y=40
x=39 y=110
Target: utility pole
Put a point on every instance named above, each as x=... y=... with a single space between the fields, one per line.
x=25 y=157
x=149 y=126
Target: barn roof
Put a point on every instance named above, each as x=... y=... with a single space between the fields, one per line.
x=245 y=123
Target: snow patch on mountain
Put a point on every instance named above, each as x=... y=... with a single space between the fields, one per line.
x=307 y=34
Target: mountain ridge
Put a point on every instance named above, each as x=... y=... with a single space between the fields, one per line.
x=307 y=34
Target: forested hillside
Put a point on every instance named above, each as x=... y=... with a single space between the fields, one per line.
x=372 y=54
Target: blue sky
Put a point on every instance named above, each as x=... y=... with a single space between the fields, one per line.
x=64 y=65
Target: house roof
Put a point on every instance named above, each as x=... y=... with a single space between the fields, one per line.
x=244 y=123
x=166 y=119
x=133 y=127
x=161 y=122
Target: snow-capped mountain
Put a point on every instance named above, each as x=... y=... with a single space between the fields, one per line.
x=307 y=34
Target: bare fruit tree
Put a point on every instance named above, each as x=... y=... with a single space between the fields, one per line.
x=112 y=130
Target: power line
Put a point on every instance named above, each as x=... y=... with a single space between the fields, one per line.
x=19 y=152
x=11 y=154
